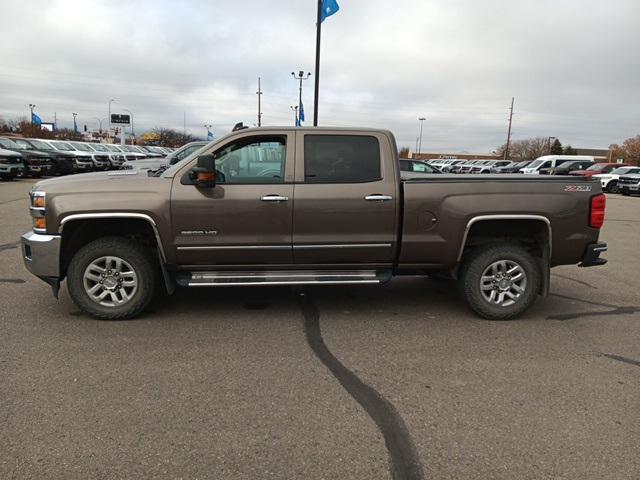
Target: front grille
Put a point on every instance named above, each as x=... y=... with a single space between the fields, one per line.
x=628 y=181
x=11 y=161
x=102 y=158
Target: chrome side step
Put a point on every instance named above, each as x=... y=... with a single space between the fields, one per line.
x=281 y=277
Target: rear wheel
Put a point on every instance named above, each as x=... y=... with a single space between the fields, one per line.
x=612 y=187
x=112 y=278
x=499 y=282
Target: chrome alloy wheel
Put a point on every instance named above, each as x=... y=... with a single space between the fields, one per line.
x=110 y=281
x=503 y=283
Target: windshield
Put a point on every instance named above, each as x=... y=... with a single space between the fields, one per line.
x=620 y=170
x=63 y=146
x=82 y=146
x=23 y=143
x=40 y=145
x=10 y=144
x=597 y=167
x=536 y=163
x=98 y=147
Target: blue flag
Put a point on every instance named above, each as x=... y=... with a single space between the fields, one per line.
x=329 y=7
x=301 y=114
x=37 y=121
x=209 y=135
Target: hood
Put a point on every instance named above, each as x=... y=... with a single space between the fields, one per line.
x=9 y=153
x=97 y=182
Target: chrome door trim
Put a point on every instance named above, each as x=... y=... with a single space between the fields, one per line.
x=235 y=247
x=481 y=218
x=346 y=245
x=378 y=198
x=142 y=216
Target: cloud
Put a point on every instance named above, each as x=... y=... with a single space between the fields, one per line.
x=571 y=65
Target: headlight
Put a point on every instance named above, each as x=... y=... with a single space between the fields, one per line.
x=38 y=204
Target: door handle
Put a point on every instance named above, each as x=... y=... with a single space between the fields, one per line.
x=274 y=198
x=376 y=197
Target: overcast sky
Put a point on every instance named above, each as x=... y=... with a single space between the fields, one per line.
x=572 y=65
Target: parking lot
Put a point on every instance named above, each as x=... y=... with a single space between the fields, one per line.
x=397 y=381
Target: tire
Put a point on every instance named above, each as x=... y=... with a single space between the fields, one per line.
x=126 y=295
x=612 y=186
x=492 y=263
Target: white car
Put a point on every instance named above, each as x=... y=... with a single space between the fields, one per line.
x=552 y=161
x=609 y=180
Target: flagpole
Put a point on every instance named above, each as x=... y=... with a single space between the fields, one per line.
x=317 y=72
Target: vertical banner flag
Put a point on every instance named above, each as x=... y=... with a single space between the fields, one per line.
x=209 y=135
x=301 y=113
x=329 y=7
x=37 y=121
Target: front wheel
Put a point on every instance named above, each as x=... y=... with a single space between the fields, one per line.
x=612 y=187
x=499 y=282
x=112 y=278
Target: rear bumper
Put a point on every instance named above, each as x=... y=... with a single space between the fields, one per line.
x=591 y=257
x=41 y=254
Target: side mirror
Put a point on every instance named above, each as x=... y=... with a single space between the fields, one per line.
x=204 y=174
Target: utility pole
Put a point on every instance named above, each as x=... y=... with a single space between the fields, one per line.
x=422 y=119
x=75 y=124
x=32 y=106
x=506 y=151
x=300 y=77
x=295 y=114
x=549 y=145
x=109 y=118
x=259 y=93
x=55 y=121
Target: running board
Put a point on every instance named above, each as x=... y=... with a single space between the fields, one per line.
x=281 y=277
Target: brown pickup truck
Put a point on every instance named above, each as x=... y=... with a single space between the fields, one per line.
x=298 y=206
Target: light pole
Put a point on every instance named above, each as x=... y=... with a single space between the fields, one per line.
x=300 y=77
x=295 y=114
x=133 y=133
x=209 y=135
x=549 y=144
x=31 y=107
x=99 y=123
x=421 y=119
x=259 y=94
x=109 y=118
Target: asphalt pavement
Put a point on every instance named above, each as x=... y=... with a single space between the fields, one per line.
x=352 y=382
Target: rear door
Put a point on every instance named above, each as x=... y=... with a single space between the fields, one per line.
x=346 y=199
x=246 y=218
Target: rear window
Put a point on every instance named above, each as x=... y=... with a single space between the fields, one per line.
x=341 y=159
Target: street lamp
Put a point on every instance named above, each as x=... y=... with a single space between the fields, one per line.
x=109 y=117
x=421 y=119
x=99 y=123
x=549 y=144
x=295 y=114
x=300 y=77
x=208 y=127
x=31 y=107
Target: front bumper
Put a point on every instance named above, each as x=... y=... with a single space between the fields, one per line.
x=41 y=254
x=627 y=188
x=591 y=257
x=10 y=169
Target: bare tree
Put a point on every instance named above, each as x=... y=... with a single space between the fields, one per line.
x=526 y=149
x=631 y=148
x=404 y=152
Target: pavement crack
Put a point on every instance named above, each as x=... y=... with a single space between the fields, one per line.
x=8 y=246
x=598 y=304
x=11 y=280
x=620 y=358
x=574 y=280
x=14 y=200
x=404 y=461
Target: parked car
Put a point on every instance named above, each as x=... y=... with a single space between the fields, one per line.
x=565 y=168
x=298 y=206
x=513 y=167
x=597 y=169
x=446 y=168
x=171 y=159
x=629 y=184
x=10 y=164
x=101 y=160
x=34 y=163
x=115 y=149
x=552 y=161
x=62 y=163
x=489 y=166
x=116 y=159
x=83 y=160
x=609 y=180
x=464 y=167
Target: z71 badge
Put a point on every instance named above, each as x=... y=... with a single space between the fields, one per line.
x=577 y=188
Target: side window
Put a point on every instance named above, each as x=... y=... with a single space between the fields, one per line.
x=546 y=164
x=421 y=167
x=405 y=166
x=252 y=160
x=341 y=159
x=187 y=151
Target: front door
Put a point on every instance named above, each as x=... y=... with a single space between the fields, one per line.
x=347 y=202
x=245 y=220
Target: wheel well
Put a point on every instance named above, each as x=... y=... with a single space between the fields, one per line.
x=533 y=235
x=78 y=233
